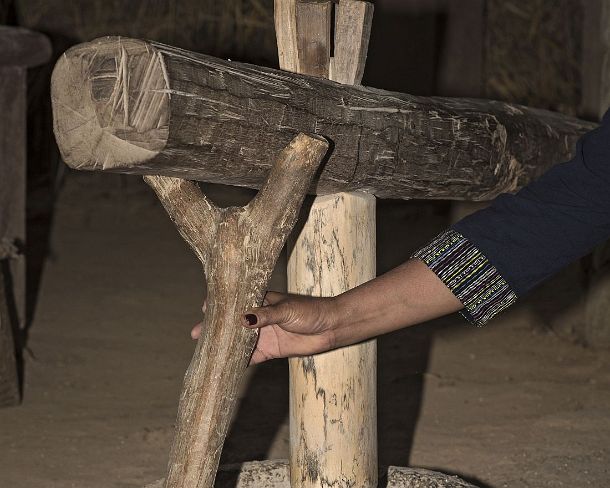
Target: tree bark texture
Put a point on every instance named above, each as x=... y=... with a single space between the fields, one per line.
x=238 y=247
x=132 y=106
x=333 y=396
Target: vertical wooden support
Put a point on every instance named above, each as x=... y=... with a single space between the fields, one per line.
x=333 y=407
x=12 y=223
x=12 y=174
x=9 y=381
x=19 y=49
x=595 y=68
x=238 y=247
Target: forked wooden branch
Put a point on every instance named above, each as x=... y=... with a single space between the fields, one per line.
x=238 y=247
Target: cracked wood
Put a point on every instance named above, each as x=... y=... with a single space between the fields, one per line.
x=141 y=107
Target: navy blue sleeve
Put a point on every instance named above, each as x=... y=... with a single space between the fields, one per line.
x=551 y=222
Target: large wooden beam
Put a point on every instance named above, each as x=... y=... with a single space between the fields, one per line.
x=140 y=107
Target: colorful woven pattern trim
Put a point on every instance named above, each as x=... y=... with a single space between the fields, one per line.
x=469 y=276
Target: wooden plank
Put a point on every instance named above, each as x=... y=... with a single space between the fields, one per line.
x=138 y=107
x=313 y=21
x=353 y=20
x=596 y=59
x=286 y=34
x=596 y=101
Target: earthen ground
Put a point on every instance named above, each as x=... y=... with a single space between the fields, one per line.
x=508 y=405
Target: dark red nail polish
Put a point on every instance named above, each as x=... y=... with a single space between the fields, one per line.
x=251 y=319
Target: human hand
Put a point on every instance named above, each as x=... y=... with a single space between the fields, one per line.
x=289 y=325
x=293 y=325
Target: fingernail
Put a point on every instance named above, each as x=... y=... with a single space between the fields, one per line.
x=251 y=319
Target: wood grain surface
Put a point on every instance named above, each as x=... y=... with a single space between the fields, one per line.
x=140 y=107
x=333 y=396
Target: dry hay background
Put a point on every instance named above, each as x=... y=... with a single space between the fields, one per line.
x=240 y=29
x=532 y=49
x=533 y=53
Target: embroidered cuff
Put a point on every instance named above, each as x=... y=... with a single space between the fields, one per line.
x=469 y=276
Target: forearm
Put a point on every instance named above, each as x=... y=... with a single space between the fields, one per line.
x=551 y=222
x=404 y=296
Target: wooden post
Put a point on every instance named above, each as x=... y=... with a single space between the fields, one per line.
x=19 y=49
x=12 y=223
x=333 y=404
x=9 y=380
x=333 y=407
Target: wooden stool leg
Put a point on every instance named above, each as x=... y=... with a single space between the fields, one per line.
x=9 y=381
x=12 y=222
x=19 y=49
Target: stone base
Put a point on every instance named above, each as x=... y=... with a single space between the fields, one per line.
x=274 y=474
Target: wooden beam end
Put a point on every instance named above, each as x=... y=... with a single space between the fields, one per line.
x=110 y=103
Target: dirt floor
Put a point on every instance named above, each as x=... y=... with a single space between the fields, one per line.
x=508 y=405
